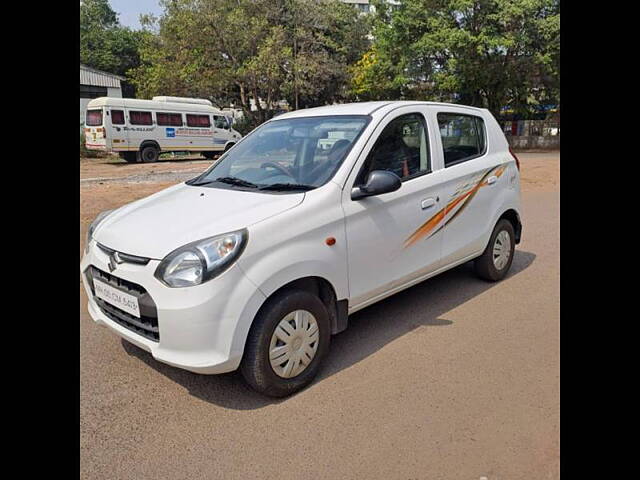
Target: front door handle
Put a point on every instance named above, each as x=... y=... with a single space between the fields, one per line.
x=491 y=180
x=428 y=203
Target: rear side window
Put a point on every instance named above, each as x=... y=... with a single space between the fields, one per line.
x=140 y=118
x=94 y=118
x=198 y=121
x=463 y=137
x=169 y=119
x=117 y=117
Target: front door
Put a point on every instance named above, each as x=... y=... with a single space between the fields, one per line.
x=390 y=238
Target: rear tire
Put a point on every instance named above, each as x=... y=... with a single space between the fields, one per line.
x=209 y=155
x=229 y=145
x=264 y=348
x=129 y=157
x=495 y=261
x=149 y=154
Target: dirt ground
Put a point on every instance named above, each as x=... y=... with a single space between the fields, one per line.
x=451 y=379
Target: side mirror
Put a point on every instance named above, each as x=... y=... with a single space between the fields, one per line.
x=378 y=182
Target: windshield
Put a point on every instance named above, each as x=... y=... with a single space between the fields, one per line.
x=287 y=155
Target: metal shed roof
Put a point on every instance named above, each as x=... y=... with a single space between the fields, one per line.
x=98 y=78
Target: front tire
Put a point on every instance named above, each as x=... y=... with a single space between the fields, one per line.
x=287 y=344
x=495 y=261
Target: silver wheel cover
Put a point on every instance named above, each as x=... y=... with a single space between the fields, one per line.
x=501 y=250
x=294 y=344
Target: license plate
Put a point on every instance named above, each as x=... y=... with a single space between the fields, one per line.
x=117 y=298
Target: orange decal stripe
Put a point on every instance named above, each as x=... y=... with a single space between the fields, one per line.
x=425 y=228
x=430 y=224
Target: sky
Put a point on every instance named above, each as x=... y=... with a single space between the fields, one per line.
x=129 y=10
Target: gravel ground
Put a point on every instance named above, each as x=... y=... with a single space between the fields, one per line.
x=454 y=378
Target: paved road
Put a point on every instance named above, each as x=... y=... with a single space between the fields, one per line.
x=452 y=379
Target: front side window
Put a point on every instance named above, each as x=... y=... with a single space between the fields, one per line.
x=117 y=117
x=221 y=122
x=140 y=118
x=169 y=119
x=463 y=137
x=94 y=118
x=401 y=148
x=198 y=120
x=290 y=154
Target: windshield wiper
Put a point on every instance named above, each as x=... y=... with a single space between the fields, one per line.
x=198 y=183
x=287 y=186
x=229 y=181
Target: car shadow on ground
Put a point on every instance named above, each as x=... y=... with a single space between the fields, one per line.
x=370 y=329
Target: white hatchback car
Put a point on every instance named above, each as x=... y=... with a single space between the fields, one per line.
x=316 y=214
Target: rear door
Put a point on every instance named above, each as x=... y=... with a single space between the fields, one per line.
x=94 y=129
x=472 y=178
x=390 y=239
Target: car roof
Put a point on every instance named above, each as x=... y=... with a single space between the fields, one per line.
x=364 y=108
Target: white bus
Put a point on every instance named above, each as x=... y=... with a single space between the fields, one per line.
x=139 y=130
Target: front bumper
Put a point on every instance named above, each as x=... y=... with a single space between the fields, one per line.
x=201 y=329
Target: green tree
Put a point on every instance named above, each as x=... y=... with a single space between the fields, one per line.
x=243 y=50
x=104 y=43
x=488 y=53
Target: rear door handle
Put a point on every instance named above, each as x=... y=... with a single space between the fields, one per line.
x=428 y=203
x=491 y=180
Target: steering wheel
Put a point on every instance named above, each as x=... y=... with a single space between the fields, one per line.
x=278 y=167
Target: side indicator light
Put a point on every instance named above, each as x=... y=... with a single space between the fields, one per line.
x=330 y=241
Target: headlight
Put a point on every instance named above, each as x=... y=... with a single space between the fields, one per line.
x=92 y=228
x=200 y=261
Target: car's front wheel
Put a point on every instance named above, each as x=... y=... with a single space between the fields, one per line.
x=286 y=344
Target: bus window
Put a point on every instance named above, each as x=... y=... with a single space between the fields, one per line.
x=94 y=118
x=140 y=118
x=198 y=121
x=221 y=122
x=169 y=119
x=117 y=117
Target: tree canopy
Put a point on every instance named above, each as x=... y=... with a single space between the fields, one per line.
x=487 y=53
x=243 y=50
x=104 y=43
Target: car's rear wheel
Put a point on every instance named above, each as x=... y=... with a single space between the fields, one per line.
x=287 y=344
x=149 y=154
x=209 y=155
x=495 y=261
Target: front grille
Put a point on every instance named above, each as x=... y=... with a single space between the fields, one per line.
x=147 y=324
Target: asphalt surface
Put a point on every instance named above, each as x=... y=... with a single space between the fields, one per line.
x=454 y=378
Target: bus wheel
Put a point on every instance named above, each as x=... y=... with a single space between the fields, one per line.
x=129 y=157
x=149 y=154
x=209 y=155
